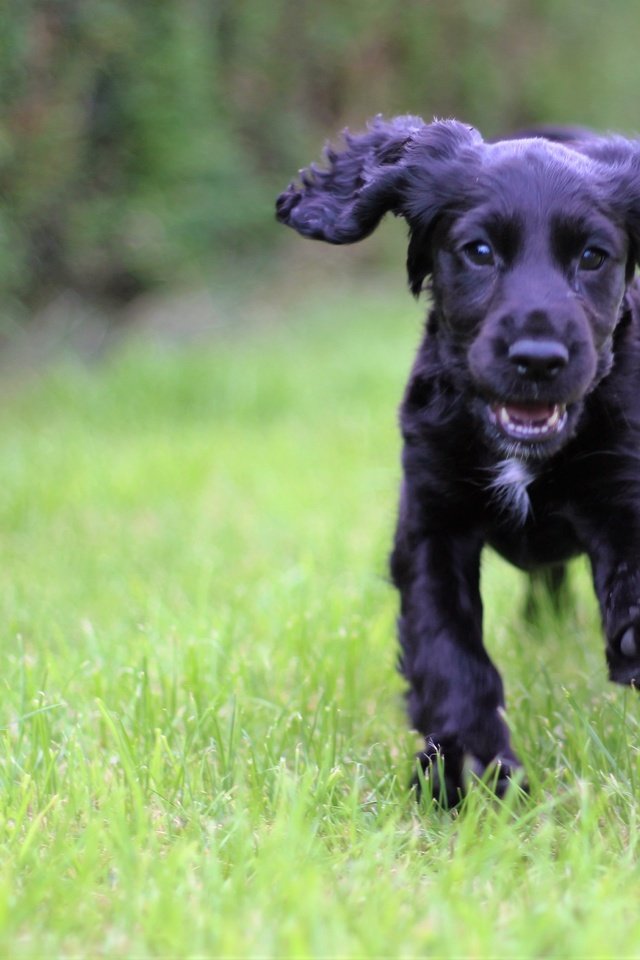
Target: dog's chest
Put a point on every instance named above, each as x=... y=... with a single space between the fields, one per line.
x=508 y=488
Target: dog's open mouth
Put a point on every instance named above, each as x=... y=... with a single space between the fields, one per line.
x=529 y=422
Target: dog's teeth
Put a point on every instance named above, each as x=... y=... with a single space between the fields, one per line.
x=504 y=417
x=521 y=425
x=628 y=643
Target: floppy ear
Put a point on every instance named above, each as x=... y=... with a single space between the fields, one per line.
x=619 y=159
x=345 y=201
x=627 y=190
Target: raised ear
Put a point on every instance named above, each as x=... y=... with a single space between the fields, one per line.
x=345 y=201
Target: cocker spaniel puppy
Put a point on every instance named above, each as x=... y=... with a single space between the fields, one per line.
x=521 y=417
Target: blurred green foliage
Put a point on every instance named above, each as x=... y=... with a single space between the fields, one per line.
x=143 y=142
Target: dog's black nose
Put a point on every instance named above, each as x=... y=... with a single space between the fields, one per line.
x=538 y=359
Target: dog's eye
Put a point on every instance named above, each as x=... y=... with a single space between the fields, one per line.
x=479 y=253
x=592 y=259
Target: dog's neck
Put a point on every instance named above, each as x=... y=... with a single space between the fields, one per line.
x=508 y=486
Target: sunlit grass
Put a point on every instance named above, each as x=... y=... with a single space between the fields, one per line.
x=203 y=749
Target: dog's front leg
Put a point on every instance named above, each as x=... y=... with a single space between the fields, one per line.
x=616 y=575
x=455 y=697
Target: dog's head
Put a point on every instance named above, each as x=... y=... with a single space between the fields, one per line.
x=528 y=245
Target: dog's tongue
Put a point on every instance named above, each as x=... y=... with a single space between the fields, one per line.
x=530 y=413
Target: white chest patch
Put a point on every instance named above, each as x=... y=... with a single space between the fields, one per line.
x=508 y=485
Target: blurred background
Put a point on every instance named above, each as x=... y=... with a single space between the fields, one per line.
x=142 y=142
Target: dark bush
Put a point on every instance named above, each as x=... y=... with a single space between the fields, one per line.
x=142 y=143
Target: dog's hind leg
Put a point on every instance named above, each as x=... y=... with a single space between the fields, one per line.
x=548 y=588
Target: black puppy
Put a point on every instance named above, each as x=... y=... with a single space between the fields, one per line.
x=521 y=418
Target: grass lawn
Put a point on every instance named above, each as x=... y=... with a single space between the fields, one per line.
x=203 y=749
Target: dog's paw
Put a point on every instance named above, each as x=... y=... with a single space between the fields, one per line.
x=445 y=782
x=623 y=657
x=438 y=779
x=501 y=775
x=444 y=779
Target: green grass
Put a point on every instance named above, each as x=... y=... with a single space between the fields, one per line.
x=203 y=750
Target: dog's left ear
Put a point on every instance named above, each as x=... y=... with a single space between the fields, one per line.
x=627 y=176
x=345 y=201
x=620 y=159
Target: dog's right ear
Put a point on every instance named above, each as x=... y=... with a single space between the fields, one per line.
x=345 y=201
